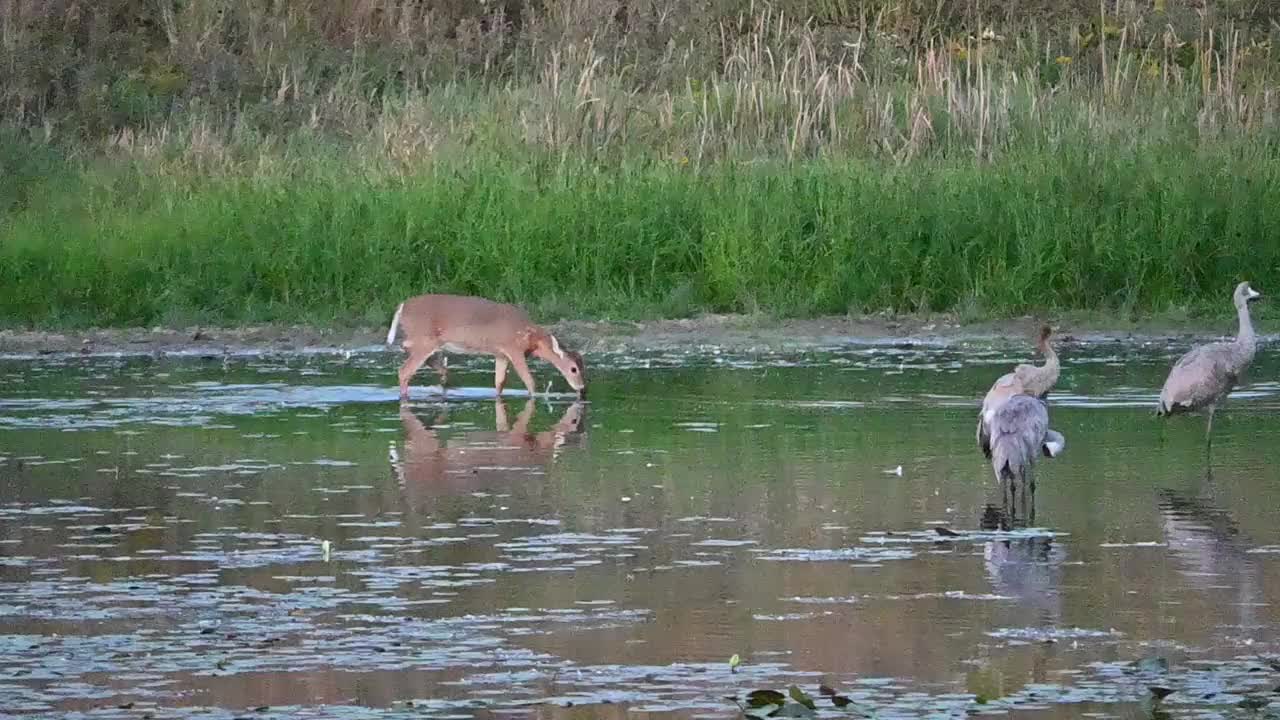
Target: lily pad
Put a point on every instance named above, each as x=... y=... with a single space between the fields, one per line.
x=1253 y=702
x=763 y=711
x=760 y=698
x=801 y=697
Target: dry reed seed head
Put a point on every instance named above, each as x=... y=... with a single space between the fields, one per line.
x=766 y=96
x=767 y=88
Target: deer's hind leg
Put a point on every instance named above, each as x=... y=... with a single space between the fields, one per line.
x=440 y=363
x=419 y=351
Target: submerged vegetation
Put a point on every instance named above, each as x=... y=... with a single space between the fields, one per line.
x=243 y=160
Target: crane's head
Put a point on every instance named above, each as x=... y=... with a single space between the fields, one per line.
x=1042 y=341
x=1245 y=294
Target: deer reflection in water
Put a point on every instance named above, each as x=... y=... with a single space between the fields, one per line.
x=469 y=460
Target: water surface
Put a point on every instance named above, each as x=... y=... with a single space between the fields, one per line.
x=163 y=530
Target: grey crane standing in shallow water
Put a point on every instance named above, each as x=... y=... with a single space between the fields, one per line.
x=1202 y=378
x=1019 y=433
x=1025 y=379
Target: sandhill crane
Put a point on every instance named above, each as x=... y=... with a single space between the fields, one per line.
x=1025 y=379
x=1205 y=375
x=1019 y=433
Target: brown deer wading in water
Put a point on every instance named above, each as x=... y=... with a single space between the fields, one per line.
x=436 y=324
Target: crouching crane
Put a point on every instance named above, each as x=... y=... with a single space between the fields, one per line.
x=1019 y=435
x=1027 y=379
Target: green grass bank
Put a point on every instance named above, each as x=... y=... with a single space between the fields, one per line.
x=1077 y=227
x=1107 y=160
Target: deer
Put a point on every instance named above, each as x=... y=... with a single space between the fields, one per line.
x=469 y=325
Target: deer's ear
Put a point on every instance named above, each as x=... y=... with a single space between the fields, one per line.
x=555 y=346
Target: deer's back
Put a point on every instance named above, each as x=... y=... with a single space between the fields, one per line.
x=464 y=321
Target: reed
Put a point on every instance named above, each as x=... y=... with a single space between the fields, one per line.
x=319 y=163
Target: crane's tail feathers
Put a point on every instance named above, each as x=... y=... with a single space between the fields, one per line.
x=1168 y=407
x=1005 y=472
x=395 y=324
x=1054 y=443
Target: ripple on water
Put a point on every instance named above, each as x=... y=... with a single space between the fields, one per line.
x=222 y=586
x=849 y=554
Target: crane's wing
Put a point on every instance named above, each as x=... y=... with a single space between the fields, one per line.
x=1005 y=387
x=1021 y=416
x=1054 y=443
x=1199 y=376
x=1017 y=435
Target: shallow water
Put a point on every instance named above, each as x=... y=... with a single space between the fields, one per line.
x=162 y=530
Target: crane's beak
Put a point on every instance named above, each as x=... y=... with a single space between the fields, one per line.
x=582 y=393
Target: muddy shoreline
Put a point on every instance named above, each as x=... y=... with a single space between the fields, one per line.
x=724 y=332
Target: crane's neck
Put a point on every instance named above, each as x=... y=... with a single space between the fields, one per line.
x=1048 y=372
x=1245 y=337
x=1038 y=380
x=1050 y=357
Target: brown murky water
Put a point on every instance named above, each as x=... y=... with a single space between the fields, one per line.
x=163 y=528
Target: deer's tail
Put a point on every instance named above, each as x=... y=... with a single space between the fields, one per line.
x=395 y=324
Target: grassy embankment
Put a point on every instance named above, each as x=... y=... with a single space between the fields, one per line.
x=222 y=163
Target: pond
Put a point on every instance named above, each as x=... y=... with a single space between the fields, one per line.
x=275 y=536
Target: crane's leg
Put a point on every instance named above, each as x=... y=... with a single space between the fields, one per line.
x=1022 y=502
x=1031 y=502
x=1208 y=431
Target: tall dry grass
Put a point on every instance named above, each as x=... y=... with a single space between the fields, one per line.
x=236 y=160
